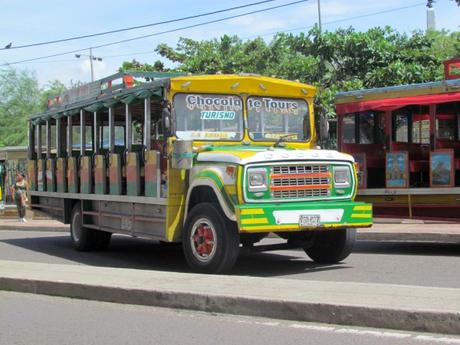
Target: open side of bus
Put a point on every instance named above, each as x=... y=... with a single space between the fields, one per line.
x=83 y=159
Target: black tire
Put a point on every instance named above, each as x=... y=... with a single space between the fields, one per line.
x=85 y=239
x=331 y=246
x=206 y=222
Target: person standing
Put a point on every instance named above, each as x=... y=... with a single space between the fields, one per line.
x=20 y=195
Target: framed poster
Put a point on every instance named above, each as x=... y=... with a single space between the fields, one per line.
x=360 y=160
x=397 y=169
x=442 y=171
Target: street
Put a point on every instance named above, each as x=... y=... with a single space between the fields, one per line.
x=419 y=264
x=71 y=321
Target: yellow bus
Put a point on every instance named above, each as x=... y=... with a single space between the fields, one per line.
x=215 y=162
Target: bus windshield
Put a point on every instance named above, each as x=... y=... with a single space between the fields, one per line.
x=271 y=118
x=208 y=117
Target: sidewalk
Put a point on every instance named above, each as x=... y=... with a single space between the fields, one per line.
x=411 y=308
x=32 y=225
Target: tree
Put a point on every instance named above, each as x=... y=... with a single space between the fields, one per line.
x=334 y=61
x=19 y=98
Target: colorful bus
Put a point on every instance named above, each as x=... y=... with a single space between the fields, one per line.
x=215 y=162
x=406 y=140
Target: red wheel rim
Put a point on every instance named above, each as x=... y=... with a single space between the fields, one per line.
x=203 y=240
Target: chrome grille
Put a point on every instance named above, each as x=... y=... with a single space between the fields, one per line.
x=302 y=181
x=295 y=194
x=293 y=182
x=299 y=169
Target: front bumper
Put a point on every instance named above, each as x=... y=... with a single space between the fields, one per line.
x=285 y=216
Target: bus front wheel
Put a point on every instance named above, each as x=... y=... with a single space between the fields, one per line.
x=85 y=239
x=331 y=246
x=210 y=241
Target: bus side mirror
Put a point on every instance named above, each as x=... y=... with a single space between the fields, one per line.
x=323 y=128
x=166 y=119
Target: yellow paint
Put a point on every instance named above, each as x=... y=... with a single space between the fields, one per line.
x=361 y=215
x=270 y=228
x=254 y=221
x=230 y=189
x=247 y=84
x=362 y=208
x=239 y=186
x=252 y=211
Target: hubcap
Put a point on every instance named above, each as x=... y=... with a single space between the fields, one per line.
x=76 y=227
x=203 y=240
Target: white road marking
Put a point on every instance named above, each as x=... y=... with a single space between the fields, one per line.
x=438 y=340
x=312 y=327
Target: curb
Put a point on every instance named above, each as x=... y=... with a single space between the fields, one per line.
x=296 y=307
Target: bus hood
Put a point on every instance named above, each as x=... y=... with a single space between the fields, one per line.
x=247 y=155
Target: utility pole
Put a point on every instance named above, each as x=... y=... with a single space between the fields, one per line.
x=91 y=58
x=91 y=63
x=319 y=15
x=430 y=16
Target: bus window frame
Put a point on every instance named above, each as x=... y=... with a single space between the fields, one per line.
x=241 y=123
x=306 y=127
x=377 y=116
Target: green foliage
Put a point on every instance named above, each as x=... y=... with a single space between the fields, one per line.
x=333 y=61
x=134 y=65
x=20 y=97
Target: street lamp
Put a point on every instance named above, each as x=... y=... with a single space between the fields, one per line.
x=91 y=58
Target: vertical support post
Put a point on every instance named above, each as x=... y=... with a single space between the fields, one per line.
x=69 y=136
x=111 y=130
x=48 y=138
x=31 y=134
x=432 y=108
x=39 y=140
x=82 y=133
x=339 y=131
x=96 y=134
x=58 y=138
x=388 y=130
x=147 y=122
x=128 y=128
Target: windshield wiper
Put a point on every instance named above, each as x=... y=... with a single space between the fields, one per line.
x=283 y=138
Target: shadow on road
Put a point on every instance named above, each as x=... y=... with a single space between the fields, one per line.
x=126 y=252
x=407 y=248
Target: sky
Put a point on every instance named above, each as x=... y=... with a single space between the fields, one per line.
x=28 y=21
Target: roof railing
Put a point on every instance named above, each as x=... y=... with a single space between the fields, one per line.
x=105 y=86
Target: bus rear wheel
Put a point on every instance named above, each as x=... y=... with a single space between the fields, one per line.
x=210 y=241
x=85 y=239
x=331 y=246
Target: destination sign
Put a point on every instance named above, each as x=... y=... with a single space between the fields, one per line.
x=274 y=105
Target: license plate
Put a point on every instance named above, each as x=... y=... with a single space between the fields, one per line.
x=309 y=220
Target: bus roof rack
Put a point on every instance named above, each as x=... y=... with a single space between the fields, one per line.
x=106 y=86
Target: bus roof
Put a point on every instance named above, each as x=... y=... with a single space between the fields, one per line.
x=400 y=91
x=126 y=87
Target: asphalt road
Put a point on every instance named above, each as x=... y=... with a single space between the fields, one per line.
x=70 y=321
x=419 y=264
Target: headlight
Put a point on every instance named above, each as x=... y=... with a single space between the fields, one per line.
x=257 y=180
x=342 y=176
